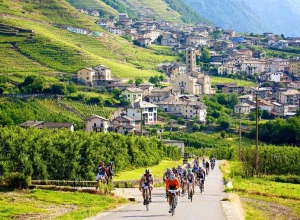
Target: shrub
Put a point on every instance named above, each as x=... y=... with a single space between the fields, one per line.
x=16 y=180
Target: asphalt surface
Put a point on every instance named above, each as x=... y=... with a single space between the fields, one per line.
x=205 y=206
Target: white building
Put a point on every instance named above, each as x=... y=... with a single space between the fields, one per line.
x=96 y=123
x=132 y=94
x=143 y=110
x=115 y=31
x=242 y=108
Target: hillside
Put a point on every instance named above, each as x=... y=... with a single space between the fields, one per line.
x=251 y=15
x=51 y=48
x=229 y=14
x=168 y=10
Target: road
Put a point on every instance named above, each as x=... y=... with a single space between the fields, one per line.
x=205 y=206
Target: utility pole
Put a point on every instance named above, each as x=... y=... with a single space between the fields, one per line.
x=141 y=122
x=240 y=135
x=256 y=151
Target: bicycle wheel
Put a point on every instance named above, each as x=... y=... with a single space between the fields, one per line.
x=173 y=205
x=147 y=200
x=191 y=195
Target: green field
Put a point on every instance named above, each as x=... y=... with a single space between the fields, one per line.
x=217 y=79
x=157 y=171
x=263 y=199
x=44 y=204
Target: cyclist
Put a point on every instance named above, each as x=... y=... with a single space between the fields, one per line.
x=172 y=183
x=166 y=177
x=195 y=168
x=174 y=170
x=201 y=175
x=101 y=176
x=190 y=180
x=207 y=167
x=179 y=170
x=183 y=179
x=109 y=171
x=212 y=162
x=147 y=179
x=196 y=161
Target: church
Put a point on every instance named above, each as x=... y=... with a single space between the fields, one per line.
x=193 y=82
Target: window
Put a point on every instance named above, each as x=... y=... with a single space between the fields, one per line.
x=128 y=95
x=95 y=125
x=87 y=78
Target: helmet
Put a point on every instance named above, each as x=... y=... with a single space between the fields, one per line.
x=147 y=171
x=189 y=170
x=168 y=169
x=172 y=176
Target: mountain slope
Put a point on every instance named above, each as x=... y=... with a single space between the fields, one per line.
x=229 y=14
x=51 y=48
x=281 y=16
x=169 y=10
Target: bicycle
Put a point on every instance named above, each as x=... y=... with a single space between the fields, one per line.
x=201 y=186
x=147 y=196
x=207 y=170
x=191 y=191
x=174 y=202
x=212 y=166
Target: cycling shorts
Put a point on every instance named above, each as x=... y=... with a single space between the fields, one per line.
x=172 y=187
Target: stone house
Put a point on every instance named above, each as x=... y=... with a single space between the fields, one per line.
x=290 y=97
x=115 y=31
x=123 y=125
x=95 y=76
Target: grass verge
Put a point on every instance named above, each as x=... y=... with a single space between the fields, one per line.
x=46 y=204
x=262 y=198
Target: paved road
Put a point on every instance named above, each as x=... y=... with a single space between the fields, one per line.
x=205 y=206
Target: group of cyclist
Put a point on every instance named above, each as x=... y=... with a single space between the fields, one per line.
x=178 y=178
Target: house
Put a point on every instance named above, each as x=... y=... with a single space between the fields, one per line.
x=246 y=98
x=242 y=108
x=96 y=123
x=265 y=105
x=124 y=19
x=146 y=88
x=238 y=39
x=169 y=41
x=295 y=85
x=228 y=68
x=49 y=125
x=95 y=13
x=144 y=42
x=115 y=31
x=159 y=94
x=83 y=11
x=290 y=97
x=185 y=107
x=132 y=94
x=252 y=66
x=294 y=66
x=283 y=110
x=124 y=125
x=94 y=76
x=230 y=33
x=105 y=23
x=143 y=111
x=232 y=89
x=78 y=30
x=197 y=41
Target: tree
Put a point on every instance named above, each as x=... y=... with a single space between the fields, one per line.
x=224 y=123
x=72 y=88
x=205 y=56
x=124 y=102
x=195 y=127
x=32 y=84
x=116 y=93
x=223 y=134
x=58 y=88
x=282 y=36
x=1 y=90
x=138 y=81
x=240 y=46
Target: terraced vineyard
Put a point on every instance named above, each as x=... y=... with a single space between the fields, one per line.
x=43 y=110
x=12 y=61
x=90 y=109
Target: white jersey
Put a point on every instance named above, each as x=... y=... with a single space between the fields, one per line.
x=147 y=180
x=191 y=177
x=179 y=171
